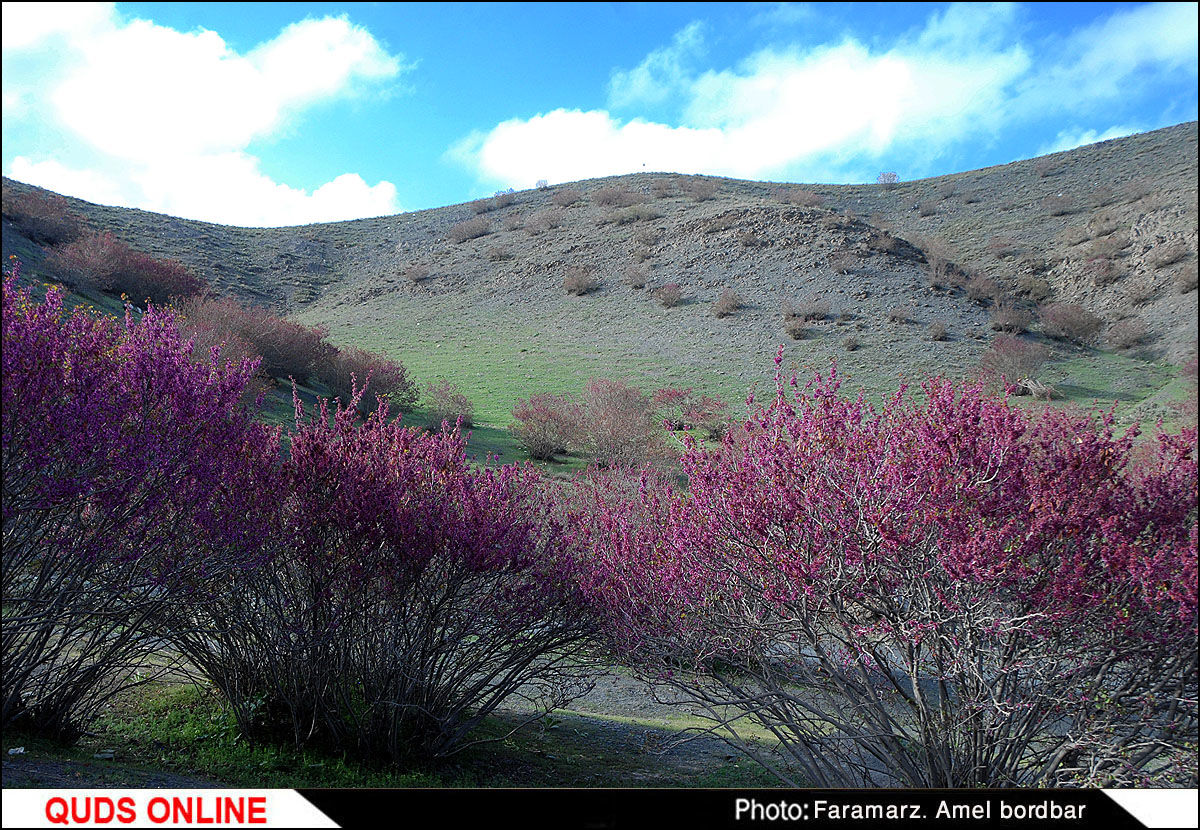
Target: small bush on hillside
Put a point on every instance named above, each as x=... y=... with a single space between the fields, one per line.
x=289 y=349
x=566 y=197
x=851 y=343
x=1103 y=270
x=481 y=206
x=728 y=303
x=1138 y=188
x=1069 y=321
x=635 y=276
x=1058 y=205
x=349 y=369
x=1010 y=318
x=800 y=197
x=898 y=315
x=1102 y=223
x=619 y=427
x=721 y=223
x=101 y=262
x=810 y=310
x=617 y=197
x=937 y=331
x=416 y=273
x=883 y=242
x=1127 y=333
x=1109 y=247
x=1003 y=247
x=46 y=219
x=947 y=189
x=547 y=424
x=579 y=280
x=512 y=222
x=669 y=295
x=843 y=262
x=1161 y=256
x=927 y=209
x=498 y=253
x=90 y=262
x=1034 y=287
x=699 y=190
x=888 y=181
x=469 y=229
x=1014 y=360
x=1047 y=167
x=1185 y=278
x=710 y=414
x=1141 y=292
x=982 y=289
x=637 y=213
x=795 y=327
x=503 y=199
x=546 y=220
x=749 y=239
x=448 y=405
x=662 y=188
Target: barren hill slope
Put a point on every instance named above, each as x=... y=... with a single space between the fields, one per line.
x=1112 y=226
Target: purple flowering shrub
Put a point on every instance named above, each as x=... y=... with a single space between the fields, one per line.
x=405 y=597
x=943 y=592
x=130 y=472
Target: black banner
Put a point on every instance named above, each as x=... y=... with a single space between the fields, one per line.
x=625 y=809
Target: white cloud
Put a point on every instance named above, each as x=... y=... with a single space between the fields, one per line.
x=1070 y=139
x=662 y=73
x=170 y=114
x=839 y=108
x=29 y=24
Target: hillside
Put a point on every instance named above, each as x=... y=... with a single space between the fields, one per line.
x=1091 y=226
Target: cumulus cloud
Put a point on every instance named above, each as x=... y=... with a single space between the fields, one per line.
x=837 y=108
x=168 y=116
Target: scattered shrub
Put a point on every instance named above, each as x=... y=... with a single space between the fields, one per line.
x=810 y=310
x=707 y=413
x=546 y=220
x=898 y=315
x=481 y=206
x=349 y=369
x=937 y=331
x=503 y=199
x=542 y=184
x=1109 y=246
x=662 y=188
x=795 y=327
x=641 y=253
x=1073 y=235
x=1141 y=292
x=801 y=197
x=447 y=405
x=498 y=253
x=512 y=222
x=90 y=262
x=982 y=289
x=1102 y=224
x=469 y=229
x=1138 y=188
x=1185 y=278
x=547 y=425
x=1160 y=256
x=1103 y=270
x=888 y=180
x=850 y=343
x=927 y=209
x=843 y=262
x=883 y=242
x=1010 y=318
x=618 y=427
x=728 y=303
x=635 y=276
x=1069 y=321
x=1003 y=247
x=699 y=190
x=1014 y=360
x=416 y=273
x=1034 y=287
x=288 y=348
x=637 y=213
x=749 y=239
x=566 y=197
x=1047 y=167
x=579 y=280
x=46 y=218
x=947 y=188
x=617 y=197
x=1127 y=333
x=101 y=262
x=669 y=295
x=1058 y=205
x=721 y=223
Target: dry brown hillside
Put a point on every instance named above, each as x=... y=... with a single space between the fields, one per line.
x=1111 y=226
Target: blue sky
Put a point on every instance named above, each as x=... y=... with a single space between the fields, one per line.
x=277 y=114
